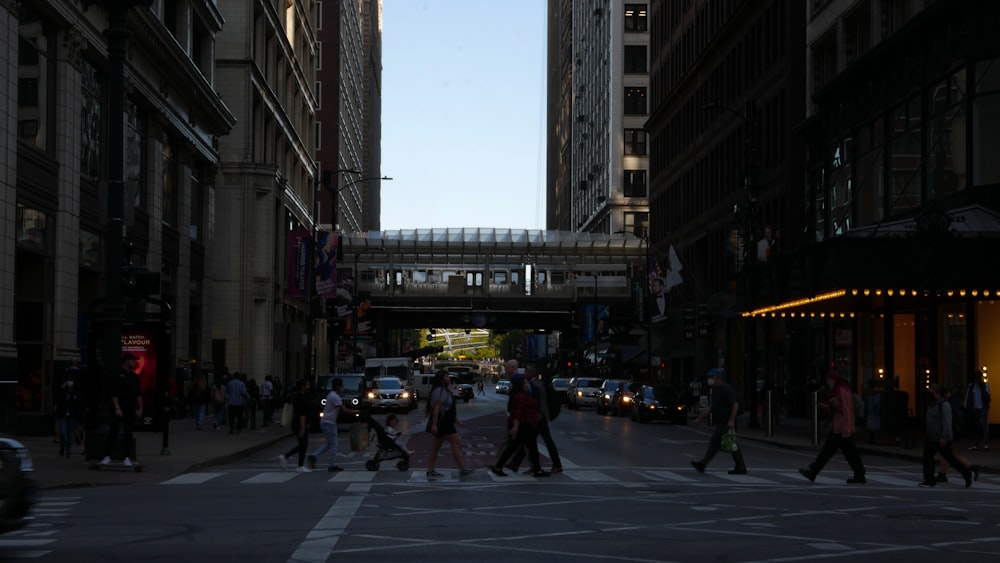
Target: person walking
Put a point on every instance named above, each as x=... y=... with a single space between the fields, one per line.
x=442 y=424
x=331 y=410
x=126 y=404
x=236 y=400
x=536 y=387
x=957 y=422
x=939 y=435
x=841 y=409
x=267 y=396
x=253 y=392
x=723 y=408
x=68 y=406
x=199 y=400
x=300 y=427
x=218 y=404
x=977 y=404
x=522 y=427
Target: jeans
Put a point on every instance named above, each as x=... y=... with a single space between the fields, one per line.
x=550 y=444
x=330 y=433
x=830 y=446
x=715 y=443
x=67 y=425
x=199 y=414
x=235 y=418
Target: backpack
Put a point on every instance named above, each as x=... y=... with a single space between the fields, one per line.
x=552 y=399
x=219 y=394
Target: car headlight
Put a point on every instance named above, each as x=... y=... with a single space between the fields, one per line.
x=354 y=401
x=322 y=402
x=626 y=399
x=405 y=395
x=606 y=396
x=579 y=393
x=371 y=395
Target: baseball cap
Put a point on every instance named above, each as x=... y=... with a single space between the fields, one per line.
x=716 y=372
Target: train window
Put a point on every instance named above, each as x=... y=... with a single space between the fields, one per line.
x=542 y=277
x=515 y=278
x=434 y=277
x=419 y=276
x=474 y=279
x=500 y=277
x=558 y=278
x=394 y=278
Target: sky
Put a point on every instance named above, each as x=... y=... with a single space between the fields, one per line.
x=463 y=114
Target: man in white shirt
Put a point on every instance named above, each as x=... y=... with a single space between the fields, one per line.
x=331 y=410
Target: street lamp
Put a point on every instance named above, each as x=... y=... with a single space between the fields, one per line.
x=334 y=223
x=748 y=215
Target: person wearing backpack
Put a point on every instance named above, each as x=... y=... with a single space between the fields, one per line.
x=549 y=404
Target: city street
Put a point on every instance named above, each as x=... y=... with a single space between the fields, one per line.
x=628 y=494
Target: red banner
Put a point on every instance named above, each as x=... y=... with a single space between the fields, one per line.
x=298 y=262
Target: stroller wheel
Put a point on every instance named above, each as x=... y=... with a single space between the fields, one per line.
x=371 y=465
x=403 y=464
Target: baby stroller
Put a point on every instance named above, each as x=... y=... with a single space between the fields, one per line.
x=387 y=448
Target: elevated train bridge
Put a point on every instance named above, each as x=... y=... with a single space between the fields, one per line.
x=493 y=279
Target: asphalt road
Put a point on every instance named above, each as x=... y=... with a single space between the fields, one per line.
x=628 y=494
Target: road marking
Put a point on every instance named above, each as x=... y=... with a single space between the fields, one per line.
x=588 y=475
x=192 y=478
x=271 y=477
x=886 y=480
x=666 y=476
x=820 y=479
x=743 y=479
x=354 y=477
x=321 y=540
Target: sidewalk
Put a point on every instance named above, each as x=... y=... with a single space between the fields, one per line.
x=192 y=450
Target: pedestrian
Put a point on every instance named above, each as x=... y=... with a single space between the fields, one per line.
x=695 y=387
x=253 y=391
x=442 y=423
x=840 y=408
x=300 y=427
x=724 y=405
x=391 y=422
x=977 y=405
x=939 y=437
x=536 y=387
x=480 y=387
x=218 y=404
x=236 y=400
x=522 y=428
x=331 y=410
x=126 y=405
x=199 y=400
x=957 y=422
x=266 y=399
x=68 y=406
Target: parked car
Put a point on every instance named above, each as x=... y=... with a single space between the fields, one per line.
x=561 y=385
x=388 y=393
x=608 y=389
x=584 y=391
x=503 y=387
x=658 y=402
x=353 y=394
x=462 y=385
x=18 y=488
x=621 y=401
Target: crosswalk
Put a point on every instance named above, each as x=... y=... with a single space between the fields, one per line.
x=632 y=477
x=34 y=540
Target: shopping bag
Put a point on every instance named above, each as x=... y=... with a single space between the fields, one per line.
x=286 y=415
x=359 y=437
x=729 y=442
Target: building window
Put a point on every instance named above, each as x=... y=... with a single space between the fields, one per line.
x=946 y=159
x=635 y=142
x=824 y=58
x=635 y=59
x=841 y=187
x=634 y=184
x=636 y=223
x=134 y=135
x=35 y=82
x=32 y=229
x=635 y=100
x=905 y=156
x=857 y=33
x=197 y=204
x=169 y=161
x=986 y=123
x=635 y=18
x=90 y=122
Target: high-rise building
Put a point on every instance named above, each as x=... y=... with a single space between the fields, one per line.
x=265 y=187
x=54 y=189
x=598 y=94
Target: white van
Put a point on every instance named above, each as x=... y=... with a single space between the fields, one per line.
x=422 y=384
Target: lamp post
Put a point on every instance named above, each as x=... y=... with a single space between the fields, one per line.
x=748 y=215
x=336 y=196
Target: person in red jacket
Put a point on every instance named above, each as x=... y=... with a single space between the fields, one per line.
x=841 y=408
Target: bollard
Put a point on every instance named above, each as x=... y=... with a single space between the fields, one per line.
x=769 y=412
x=815 y=417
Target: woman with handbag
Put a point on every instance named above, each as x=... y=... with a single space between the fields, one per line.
x=442 y=421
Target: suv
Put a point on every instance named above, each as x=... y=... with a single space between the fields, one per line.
x=658 y=402
x=608 y=389
x=353 y=394
x=388 y=393
x=584 y=391
x=561 y=385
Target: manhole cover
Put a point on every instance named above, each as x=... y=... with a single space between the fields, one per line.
x=927 y=517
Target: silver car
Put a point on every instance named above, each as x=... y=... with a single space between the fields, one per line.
x=388 y=393
x=584 y=391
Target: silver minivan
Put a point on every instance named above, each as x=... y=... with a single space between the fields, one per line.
x=584 y=391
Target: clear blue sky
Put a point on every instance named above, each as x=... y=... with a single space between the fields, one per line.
x=463 y=113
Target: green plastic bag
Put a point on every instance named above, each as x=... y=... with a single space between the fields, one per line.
x=729 y=442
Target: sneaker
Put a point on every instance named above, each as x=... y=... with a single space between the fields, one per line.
x=311 y=461
x=498 y=471
x=540 y=473
x=127 y=462
x=927 y=483
x=432 y=474
x=558 y=469
x=968 y=479
x=975 y=471
x=808 y=474
x=466 y=472
x=106 y=460
x=941 y=478
x=857 y=480
x=699 y=466
x=738 y=471
x=283 y=462
x=303 y=469
x=335 y=469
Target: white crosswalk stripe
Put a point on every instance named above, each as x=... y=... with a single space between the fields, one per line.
x=30 y=542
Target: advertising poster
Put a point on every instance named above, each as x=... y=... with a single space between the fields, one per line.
x=139 y=341
x=325 y=264
x=595 y=319
x=344 y=295
x=298 y=262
